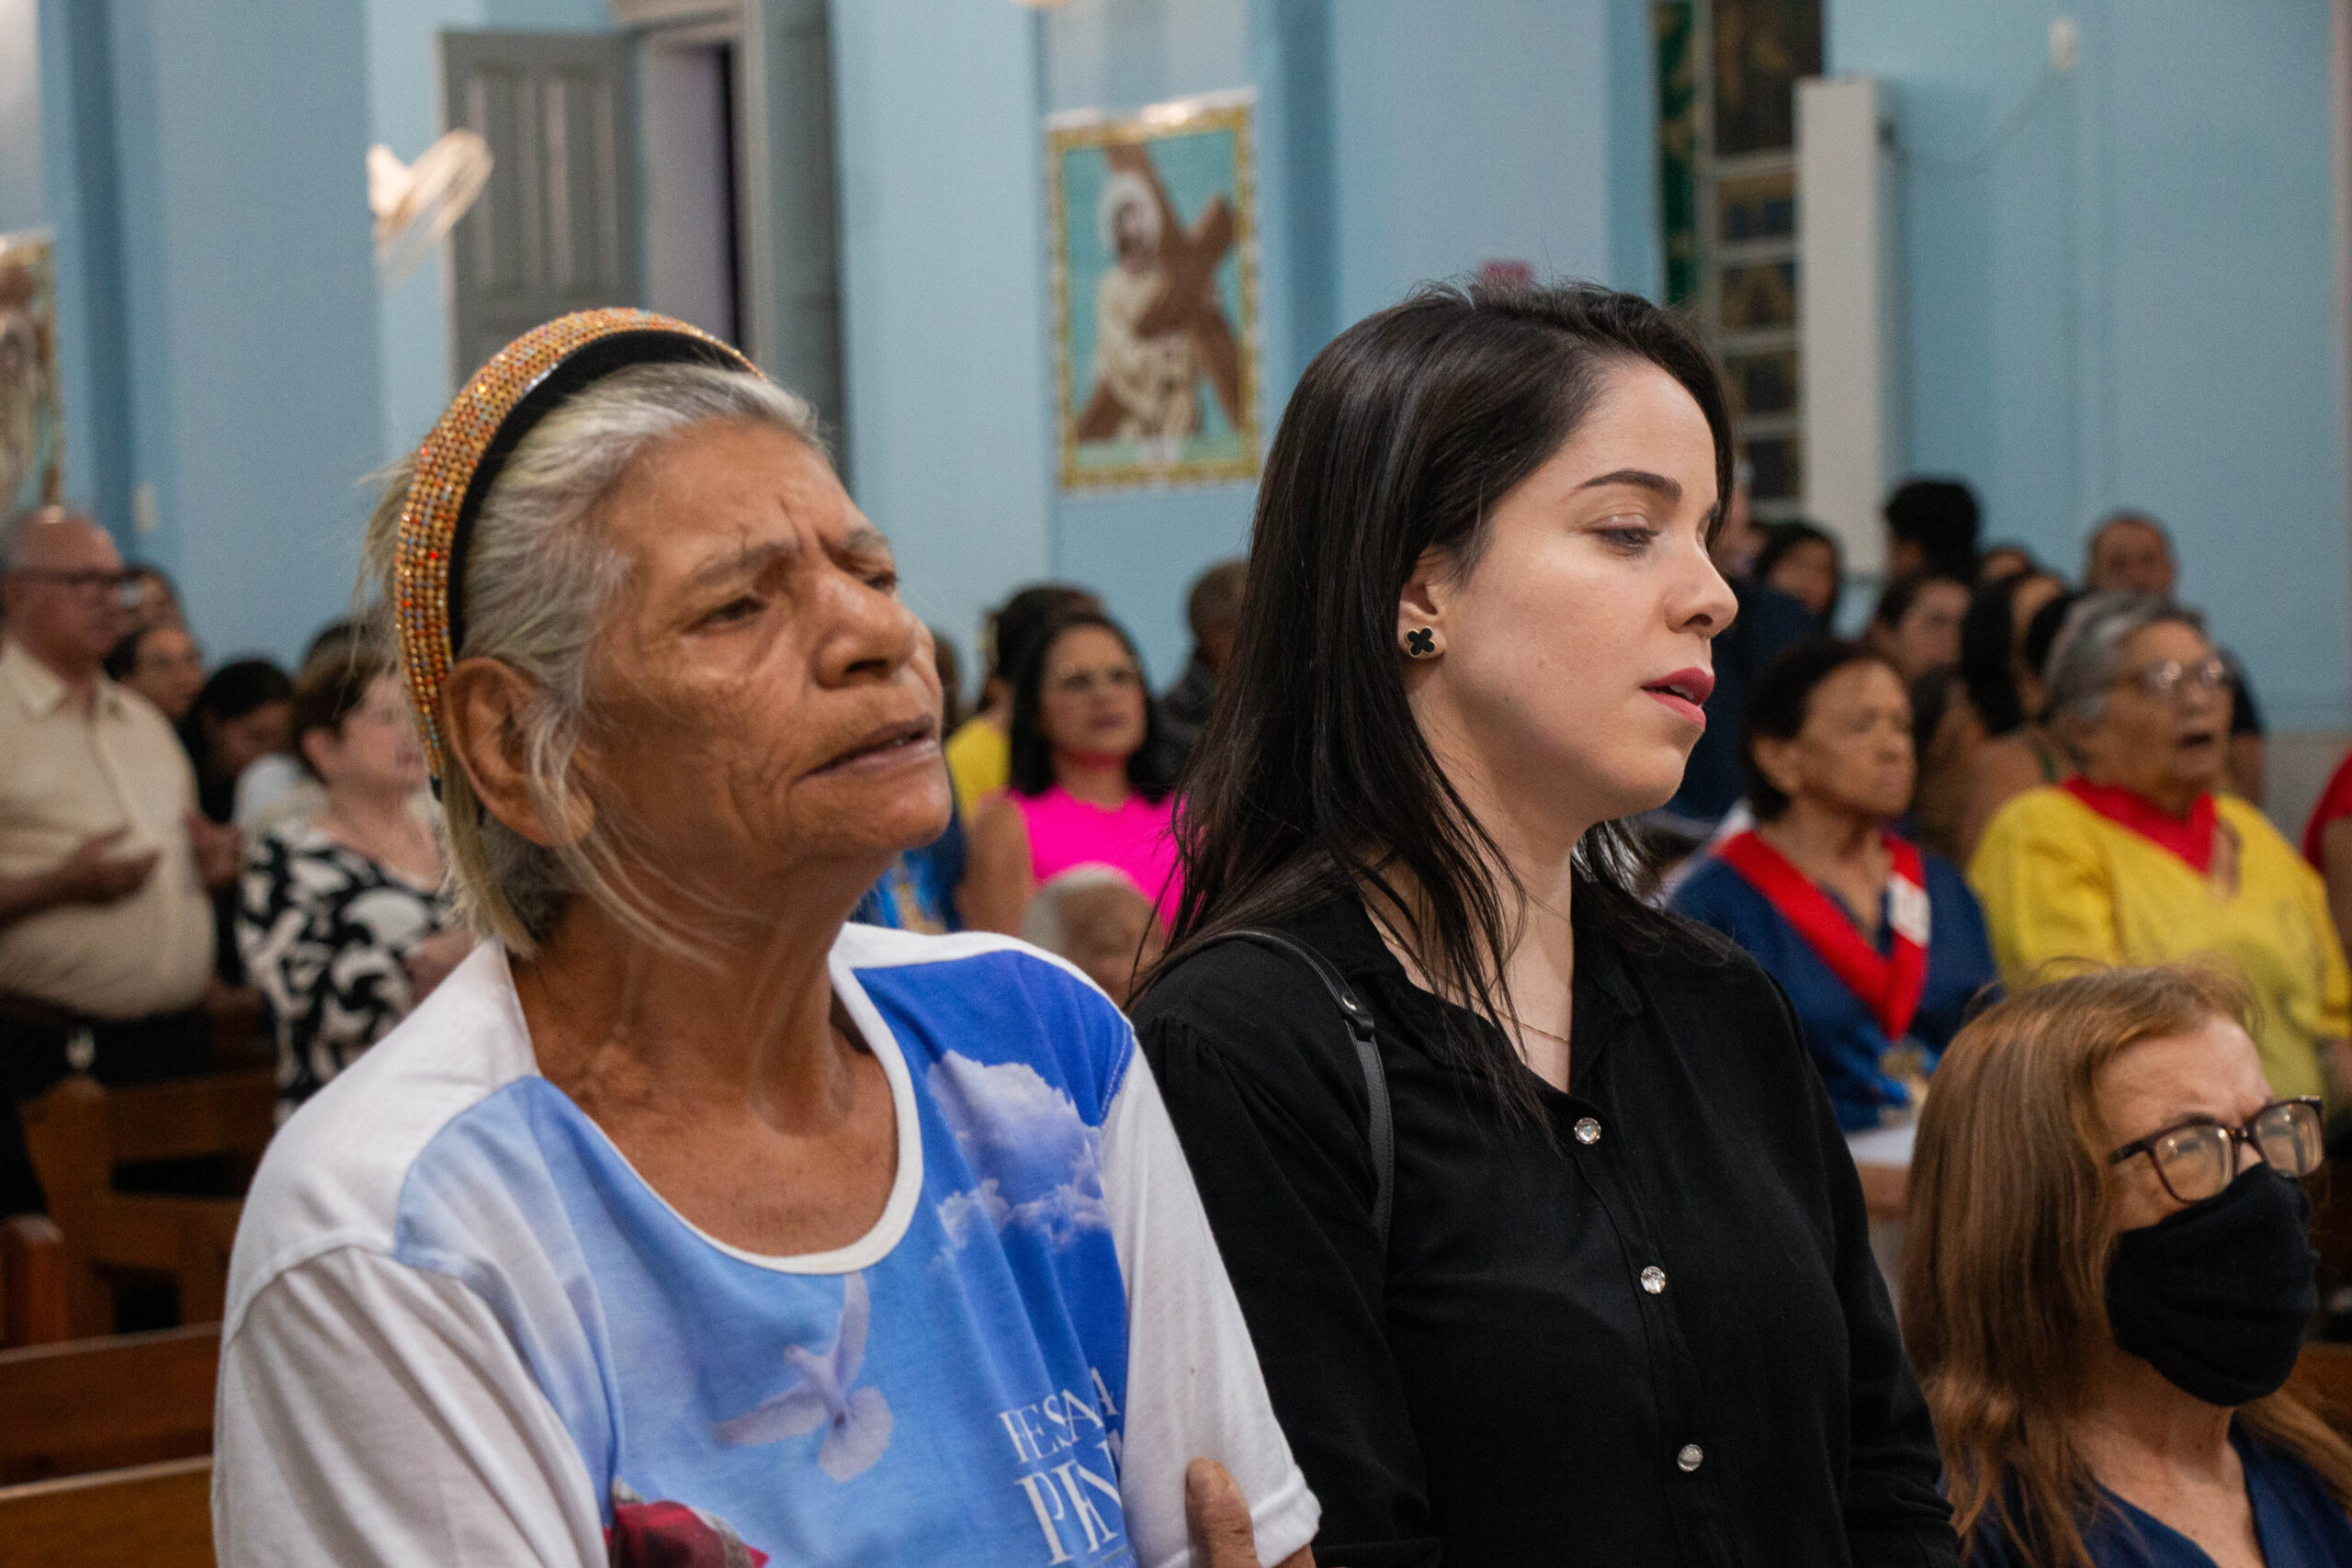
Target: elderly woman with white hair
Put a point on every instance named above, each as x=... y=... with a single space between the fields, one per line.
x=683 y=1222
x=1096 y=916
x=2142 y=860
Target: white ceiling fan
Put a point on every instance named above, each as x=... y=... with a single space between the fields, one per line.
x=416 y=204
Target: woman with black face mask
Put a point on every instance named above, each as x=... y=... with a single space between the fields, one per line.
x=2106 y=1278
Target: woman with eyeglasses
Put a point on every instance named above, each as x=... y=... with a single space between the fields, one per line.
x=1092 y=781
x=2140 y=858
x=2107 y=1281
x=162 y=663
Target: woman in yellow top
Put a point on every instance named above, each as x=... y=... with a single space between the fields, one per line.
x=2137 y=861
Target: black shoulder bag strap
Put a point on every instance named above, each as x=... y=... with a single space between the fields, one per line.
x=1382 y=1131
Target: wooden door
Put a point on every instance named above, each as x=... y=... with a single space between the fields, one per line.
x=556 y=229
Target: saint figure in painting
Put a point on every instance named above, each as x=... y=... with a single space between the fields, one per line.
x=1158 y=326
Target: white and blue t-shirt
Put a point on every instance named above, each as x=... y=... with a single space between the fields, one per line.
x=462 y=1328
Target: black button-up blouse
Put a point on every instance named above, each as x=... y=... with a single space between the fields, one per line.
x=1658 y=1337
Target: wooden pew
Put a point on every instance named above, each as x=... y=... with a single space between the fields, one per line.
x=32 y=1282
x=92 y=1405
x=157 y=1516
x=2324 y=1378
x=79 y=1133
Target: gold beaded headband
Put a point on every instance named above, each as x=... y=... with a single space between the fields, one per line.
x=461 y=459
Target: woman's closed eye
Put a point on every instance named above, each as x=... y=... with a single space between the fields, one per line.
x=1631 y=535
x=742 y=607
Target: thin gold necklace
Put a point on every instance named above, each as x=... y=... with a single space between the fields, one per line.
x=1539 y=1029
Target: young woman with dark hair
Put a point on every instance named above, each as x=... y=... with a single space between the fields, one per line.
x=1598 y=1286
x=1091 y=783
x=1803 y=562
x=241 y=716
x=2001 y=663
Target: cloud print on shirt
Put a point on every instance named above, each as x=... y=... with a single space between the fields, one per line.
x=1045 y=1162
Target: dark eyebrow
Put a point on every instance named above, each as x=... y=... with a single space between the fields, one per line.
x=1640 y=479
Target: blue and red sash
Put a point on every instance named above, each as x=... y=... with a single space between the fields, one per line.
x=1889 y=983
x=2192 y=840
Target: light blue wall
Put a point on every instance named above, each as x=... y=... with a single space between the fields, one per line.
x=942 y=219
x=1481 y=130
x=82 y=185
x=249 y=303
x=2128 y=298
x=404 y=113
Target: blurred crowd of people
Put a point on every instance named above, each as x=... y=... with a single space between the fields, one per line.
x=195 y=862
x=2005 y=772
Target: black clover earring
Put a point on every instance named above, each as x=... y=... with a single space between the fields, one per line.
x=1421 y=643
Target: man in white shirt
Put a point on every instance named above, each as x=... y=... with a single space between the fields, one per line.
x=105 y=927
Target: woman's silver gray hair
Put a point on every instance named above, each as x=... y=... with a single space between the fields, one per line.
x=2087 y=659
x=1047 y=924
x=539 y=578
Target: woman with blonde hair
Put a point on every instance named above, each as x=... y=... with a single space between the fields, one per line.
x=2107 y=1278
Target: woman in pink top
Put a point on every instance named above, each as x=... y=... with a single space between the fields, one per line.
x=1091 y=780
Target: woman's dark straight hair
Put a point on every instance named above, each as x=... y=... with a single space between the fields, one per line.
x=1312 y=778
x=1781 y=700
x=1988 y=634
x=1151 y=770
x=1781 y=538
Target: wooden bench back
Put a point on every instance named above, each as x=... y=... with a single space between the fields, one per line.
x=79 y=1133
x=33 y=1287
x=97 y=1404
x=82 y=1130
x=157 y=1516
x=224 y=1113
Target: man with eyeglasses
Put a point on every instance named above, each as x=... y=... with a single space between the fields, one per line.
x=2129 y=552
x=105 y=929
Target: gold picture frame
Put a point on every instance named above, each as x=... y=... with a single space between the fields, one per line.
x=32 y=437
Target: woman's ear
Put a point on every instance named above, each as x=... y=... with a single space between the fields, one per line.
x=317 y=745
x=1421 y=602
x=2033 y=692
x=485 y=704
x=2074 y=737
x=1777 y=760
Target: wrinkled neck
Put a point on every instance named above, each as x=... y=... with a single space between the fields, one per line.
x=1820 y=836
x=2138 y=1430
x=745 y=1015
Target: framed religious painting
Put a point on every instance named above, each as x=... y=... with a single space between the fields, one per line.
x=32 y=441
x=1155 y=281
